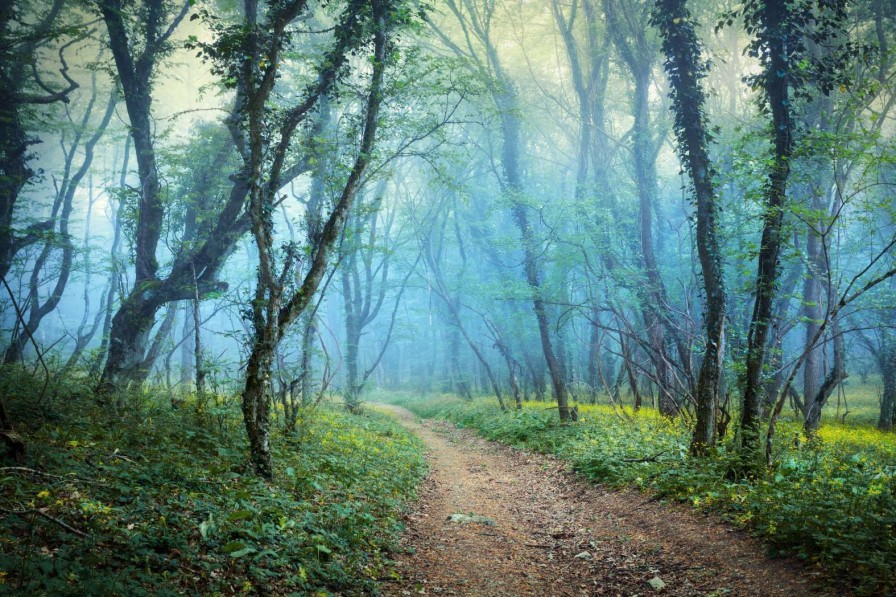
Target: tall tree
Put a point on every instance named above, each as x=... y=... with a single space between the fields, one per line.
x=21 y=89
x=783 y=32
x=686 y=67
x=639 y=54
x=364 y=267
x=198 y=261
x=475 y=20
x=64 y=203
x=432 y=242
x=137 y=47
x=775 y=44
x=275 y=306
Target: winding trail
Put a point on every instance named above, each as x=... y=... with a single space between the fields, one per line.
x=553 y=534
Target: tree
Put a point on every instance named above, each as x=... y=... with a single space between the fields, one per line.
x=685 y=68
x=275 y=306
x=63 y=204
x=431 y=248
x=475 y=22
x=639 y=53
x=22 y=88
x=774 y=46
x=782 y=32
x=365 y=261
x=136 y=50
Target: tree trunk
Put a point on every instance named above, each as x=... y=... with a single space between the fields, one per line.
x=197 y=343
x=85 y=334
x=820 y=198
x=187 y=348
x=353 y=336
x=886 y=365
x=162 y=335
x=684 y=66
x=775 y=358
x=510 y=126
x=776 y=81
x=134 y=320
x=256 y=406
x=128 y=338
x=273 y=312
x=115 y=273
x=834 y=378
x=536 y=374
x=306 y=373
x=593 y=357
x=630 y=371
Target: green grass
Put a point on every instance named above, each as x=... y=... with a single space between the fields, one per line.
x=857 y=405
x=860 y=403
x=830 y=501
x=166 y=504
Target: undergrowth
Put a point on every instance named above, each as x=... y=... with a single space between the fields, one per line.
x=148 y=499
x=831 y=501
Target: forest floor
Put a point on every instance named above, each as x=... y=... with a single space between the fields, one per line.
x=530 y=527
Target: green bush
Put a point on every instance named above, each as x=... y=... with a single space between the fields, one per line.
x=831 y=501
x=166 y=504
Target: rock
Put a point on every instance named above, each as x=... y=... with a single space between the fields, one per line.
x=657 y=583
x=584 y=556
x=468 y=518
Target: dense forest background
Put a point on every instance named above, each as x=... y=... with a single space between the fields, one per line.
x=523 y=221
x=684 y=207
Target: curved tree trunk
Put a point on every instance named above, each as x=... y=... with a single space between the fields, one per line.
x=273 y=311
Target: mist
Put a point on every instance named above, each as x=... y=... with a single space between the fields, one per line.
x=265 y=220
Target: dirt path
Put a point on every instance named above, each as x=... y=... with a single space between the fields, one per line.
x=552 y=534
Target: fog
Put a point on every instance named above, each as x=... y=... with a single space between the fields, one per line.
x=479 y=198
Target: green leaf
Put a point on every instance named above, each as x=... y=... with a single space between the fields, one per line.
x=242 y=552
x=206 y=526
x=239 y=515
x=233 y=546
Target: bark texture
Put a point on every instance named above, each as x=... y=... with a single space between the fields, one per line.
x=685 y=67
x=773 y=17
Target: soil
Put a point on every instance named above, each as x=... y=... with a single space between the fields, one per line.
x=534 y=528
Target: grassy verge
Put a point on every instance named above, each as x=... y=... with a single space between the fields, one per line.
x=158 y=501
x=831 y=501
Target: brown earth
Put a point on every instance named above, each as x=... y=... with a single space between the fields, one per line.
x=553 y=534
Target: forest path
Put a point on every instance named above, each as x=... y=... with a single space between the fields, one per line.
x=553 y=534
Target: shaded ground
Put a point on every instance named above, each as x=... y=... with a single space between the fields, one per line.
x=549 y=533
